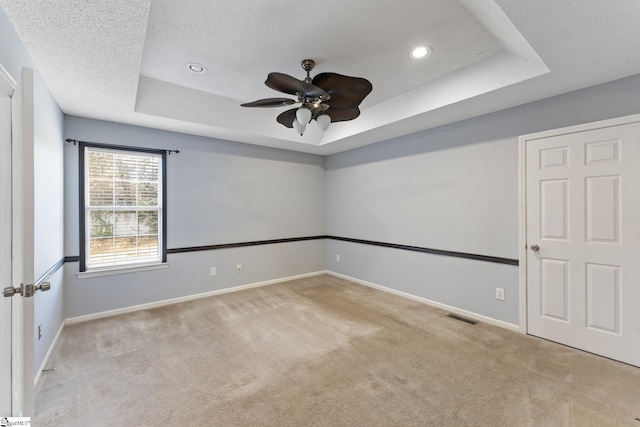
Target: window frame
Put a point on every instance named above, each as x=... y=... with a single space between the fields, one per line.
x=82 y=146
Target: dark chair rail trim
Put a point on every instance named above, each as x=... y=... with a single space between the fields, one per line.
x=454 y=254
x=242 y=244
x=51 y=271
x=486 y=258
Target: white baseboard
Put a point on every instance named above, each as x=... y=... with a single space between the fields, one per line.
x=110 y=313
x=455 y=310
x=45 y=361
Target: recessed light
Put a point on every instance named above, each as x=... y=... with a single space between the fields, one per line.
x=421 y=51
x=196 y=68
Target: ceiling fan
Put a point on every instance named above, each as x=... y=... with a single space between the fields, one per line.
x=327 y=98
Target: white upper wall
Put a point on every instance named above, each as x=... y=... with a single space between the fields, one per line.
x=456 y=187
x=217 y=191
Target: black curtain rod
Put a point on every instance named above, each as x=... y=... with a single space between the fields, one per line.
x=96 y=144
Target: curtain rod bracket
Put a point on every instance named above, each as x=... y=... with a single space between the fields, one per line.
x=71 y=140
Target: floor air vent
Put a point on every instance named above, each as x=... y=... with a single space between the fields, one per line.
x=462 y=319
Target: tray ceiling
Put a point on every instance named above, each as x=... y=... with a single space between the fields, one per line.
x=126 y=60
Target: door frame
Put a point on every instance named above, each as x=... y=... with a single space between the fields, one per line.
x=522 y=185
x=7 y=88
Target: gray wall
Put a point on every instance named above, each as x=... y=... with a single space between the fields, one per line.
x=454 y=188
x=48 y=166
x=218 y=192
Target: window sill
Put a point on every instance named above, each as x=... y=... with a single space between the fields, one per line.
x=110 y=271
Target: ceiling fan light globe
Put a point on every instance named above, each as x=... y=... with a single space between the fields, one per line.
x=323 y=121
x=298 y=127
x=303 y=115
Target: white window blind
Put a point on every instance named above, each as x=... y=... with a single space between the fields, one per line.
x=123 y=207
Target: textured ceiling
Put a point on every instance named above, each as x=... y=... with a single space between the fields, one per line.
x=125 y=60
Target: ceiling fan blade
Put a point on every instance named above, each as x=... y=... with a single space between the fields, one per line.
x=342 y=115
x=287 y=117
x=287 y=84
x=270 y=102
x=346 y=92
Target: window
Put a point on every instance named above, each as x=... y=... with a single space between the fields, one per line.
x=122 y=215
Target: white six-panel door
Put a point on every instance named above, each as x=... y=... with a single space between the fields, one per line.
x=583 y=240
x=16 y=249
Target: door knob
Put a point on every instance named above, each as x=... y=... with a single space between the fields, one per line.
x=535 y=248
x=26 y=290
x=11 y=291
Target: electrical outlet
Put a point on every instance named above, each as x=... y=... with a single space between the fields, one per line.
x=500 y=294
x=338 y=258
x=39 y=332
x=239 y=268
x=212 y=271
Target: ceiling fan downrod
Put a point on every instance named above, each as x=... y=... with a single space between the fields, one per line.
x=312 y=107
x=307 y=65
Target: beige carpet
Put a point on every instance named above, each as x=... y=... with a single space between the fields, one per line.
x=323 y=352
